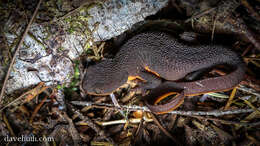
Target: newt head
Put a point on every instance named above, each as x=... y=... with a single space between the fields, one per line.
x=103 y=78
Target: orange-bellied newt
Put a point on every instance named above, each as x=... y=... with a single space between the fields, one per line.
x=156 y=56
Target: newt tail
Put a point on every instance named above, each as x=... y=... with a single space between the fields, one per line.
x=215 y=84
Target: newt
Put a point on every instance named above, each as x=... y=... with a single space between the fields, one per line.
x=159 y=60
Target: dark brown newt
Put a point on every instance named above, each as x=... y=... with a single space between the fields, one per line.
x=156 y=56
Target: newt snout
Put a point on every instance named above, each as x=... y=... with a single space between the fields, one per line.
x=153 y=56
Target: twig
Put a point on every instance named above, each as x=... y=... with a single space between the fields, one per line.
x=201 y=14
x=218 y=95
x=38 y=107
x=9 y=127
x=230 y=99
x=91 y=124
x=72 y=129
x=115 y=102
x=228 y=122
x=17 y=50
x=163 y=129
x=249 y=90
x=214 y=28
x=122 y=121
x=251 y=105
x=27 y=96
x=215 y=113
x=254 y=140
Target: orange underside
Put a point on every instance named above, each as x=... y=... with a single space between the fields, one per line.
x=164 y=96
x=196 y=94
x=151 y=71
x=170 y=93
x=130 y=78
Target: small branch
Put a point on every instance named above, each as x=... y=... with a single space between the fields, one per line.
x=215 y=113
x=72 y=129
x=91 y=124
x=163 y=129
x=17 y=50
x=228 y=122
x=249 y=90
x=115 y=102
x=201 y=14
x=122 y=121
